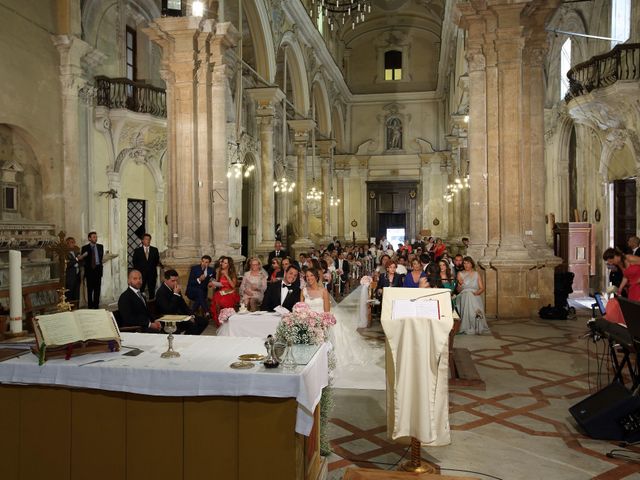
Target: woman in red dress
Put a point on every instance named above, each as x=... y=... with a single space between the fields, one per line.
x=629 y=265
x=226 y=295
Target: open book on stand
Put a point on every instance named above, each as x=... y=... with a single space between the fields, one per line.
x=75 y=333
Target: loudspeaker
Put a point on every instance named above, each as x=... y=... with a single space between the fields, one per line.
x=610 y=414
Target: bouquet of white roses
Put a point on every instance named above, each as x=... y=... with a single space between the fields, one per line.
x=304 y=326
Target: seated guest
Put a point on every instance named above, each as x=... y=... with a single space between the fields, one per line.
x=276 y=269
x=412 y=279
x=226 y=295
x=285 y=292
x=169 y=301
x=200 y=278
x=389 y=279
x=133 y=307
x=402 y=265
x=438 y=249
x=253 y=285
x=469 y=300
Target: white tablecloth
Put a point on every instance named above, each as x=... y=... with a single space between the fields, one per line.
x=202 y=369
x=258 y=324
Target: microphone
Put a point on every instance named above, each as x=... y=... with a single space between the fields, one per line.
x=425 y=296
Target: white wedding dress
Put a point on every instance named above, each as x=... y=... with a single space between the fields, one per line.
x=359 y=363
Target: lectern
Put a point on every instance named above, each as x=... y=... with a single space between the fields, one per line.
x=417 y=323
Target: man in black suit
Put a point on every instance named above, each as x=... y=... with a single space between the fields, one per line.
x=200 y=277
x=634 y=245
x=285 y=292
x=72 y=272
x=342 y=267
x=279 y=252
x=146 y=259
x=169 y=301
x=132 y=306
x=93 y=253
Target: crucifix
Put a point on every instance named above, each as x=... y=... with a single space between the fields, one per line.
x=62 y=250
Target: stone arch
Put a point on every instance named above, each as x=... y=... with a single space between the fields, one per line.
x=17 y=154
x=321 y=100
x=257 y=18
x=617 y=144
x=296 y=70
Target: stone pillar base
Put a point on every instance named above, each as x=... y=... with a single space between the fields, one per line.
x=518 y=288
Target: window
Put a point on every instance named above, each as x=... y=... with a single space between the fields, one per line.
x=565 y=66
x=393 y=65
x=320 y=21
x=10 y=198
x=131 y=54
x=620 y=21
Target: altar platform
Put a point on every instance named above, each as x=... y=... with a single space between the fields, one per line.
x=111 y=415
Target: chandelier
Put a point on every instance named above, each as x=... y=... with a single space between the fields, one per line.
x=334 y=201
x=456 y=186
x=341 y=12
x=283 y=186
x=314 y=193
x=238 y=168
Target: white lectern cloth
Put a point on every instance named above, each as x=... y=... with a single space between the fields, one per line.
x=417 y=369
x=201 y=370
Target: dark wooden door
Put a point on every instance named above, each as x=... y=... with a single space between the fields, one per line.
x=624 y=211
x=392 y=204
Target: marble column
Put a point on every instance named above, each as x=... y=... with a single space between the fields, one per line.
x=74 y=55
x=506 y=140
x=266 y=101
x=195 y=67
x=324 y=152
x=340 y=187
x=301 y=130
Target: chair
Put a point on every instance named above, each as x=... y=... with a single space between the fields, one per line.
x=118 y=317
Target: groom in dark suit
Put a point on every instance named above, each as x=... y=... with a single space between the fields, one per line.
x=285 y=292
x=93 y=253
x=146 y=259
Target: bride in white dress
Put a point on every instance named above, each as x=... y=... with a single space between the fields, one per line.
x=360 y=364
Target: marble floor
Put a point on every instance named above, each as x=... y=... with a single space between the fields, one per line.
x=519 y=427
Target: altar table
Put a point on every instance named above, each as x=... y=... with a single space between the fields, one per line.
x=115 y=416
x=255 y=324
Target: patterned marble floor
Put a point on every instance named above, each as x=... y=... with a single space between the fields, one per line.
x=518 y=428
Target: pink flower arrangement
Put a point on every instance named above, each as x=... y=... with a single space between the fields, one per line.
x=224 y=314
x=365 y=280
x=304 y=326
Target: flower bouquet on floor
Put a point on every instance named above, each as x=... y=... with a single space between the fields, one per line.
x=303 y=326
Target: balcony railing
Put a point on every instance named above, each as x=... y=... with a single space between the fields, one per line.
x=137 y=97
x=621 y=63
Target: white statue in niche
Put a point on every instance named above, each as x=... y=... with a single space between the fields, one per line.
x=394 y=134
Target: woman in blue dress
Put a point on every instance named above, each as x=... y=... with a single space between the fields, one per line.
x=416 y=276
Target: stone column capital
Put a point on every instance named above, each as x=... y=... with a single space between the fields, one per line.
x=266 y=99
x=325 y=146
x=301 y=129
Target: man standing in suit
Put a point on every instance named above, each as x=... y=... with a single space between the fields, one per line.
x=634 y=245
x=342 y=267
x=200 y=278
x=93 y=253
x=132 y=306
x=72 y=272
x=279 y=252
x=285 y=292
x=169 y=301
x=146 y=259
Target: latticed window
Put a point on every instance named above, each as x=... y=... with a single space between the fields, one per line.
x=135 y=226
x=393 y=65
x=131 y=54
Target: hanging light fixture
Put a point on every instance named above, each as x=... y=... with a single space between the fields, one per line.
x=334 y=201
x=238 y=168
x=456 y=186
x=314 y=193
x=283 y=186
x=341 y=12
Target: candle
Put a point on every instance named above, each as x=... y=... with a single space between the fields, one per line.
x=15 y=291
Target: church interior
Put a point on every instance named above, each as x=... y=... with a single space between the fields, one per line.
x=221 y=126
